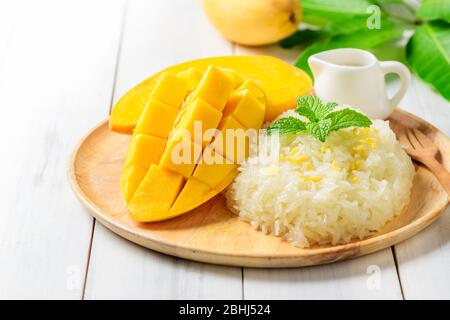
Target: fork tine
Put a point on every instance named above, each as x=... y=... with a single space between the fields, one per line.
x=412 y=138
x=423 y=139
x=404 y=140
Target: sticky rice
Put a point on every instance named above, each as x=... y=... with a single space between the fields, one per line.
x=311 y=192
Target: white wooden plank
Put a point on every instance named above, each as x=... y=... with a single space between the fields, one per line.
x=158 y=34
x=345 y=280
x=9 y=17
x=55 y=84
x=370 y=277
x=121 y=270
x=423 y=101
x=424 y=260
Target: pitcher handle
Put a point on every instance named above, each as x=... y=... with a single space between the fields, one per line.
x=405 y=79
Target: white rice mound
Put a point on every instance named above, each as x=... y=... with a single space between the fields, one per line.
x=320 y=193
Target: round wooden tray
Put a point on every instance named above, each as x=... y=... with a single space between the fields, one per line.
x=213 y=234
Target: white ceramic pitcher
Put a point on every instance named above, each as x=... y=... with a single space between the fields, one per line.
x=356 y=78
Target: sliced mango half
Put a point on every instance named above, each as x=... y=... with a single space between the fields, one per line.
x=182 y=152
x=281 y=83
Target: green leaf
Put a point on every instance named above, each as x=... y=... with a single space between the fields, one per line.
x=330 y=106
x=320 y=129
x=400 y=11
x=428 y=53
x=288 y=125
x=323 y=12
x=306 y=112
x=335 y=8
x=353 y=24
x=303 y=38
x=363 y=39
x=386 y=1
x=347 y=118
x=393 y=50
x=314 y=104
x=434 y=10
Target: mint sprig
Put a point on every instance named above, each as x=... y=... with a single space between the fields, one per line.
x=322 y=119
x=288 y=125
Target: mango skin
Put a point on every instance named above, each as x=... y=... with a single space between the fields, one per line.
x=281 y=82
x=254 y=22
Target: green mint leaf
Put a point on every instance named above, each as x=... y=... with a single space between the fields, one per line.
x=328 y=108
x=289 y=125
x=306 y=112
x=322 y=119
x=347 y=118
x=320 y=129
x=310 y=102
x=313 y=103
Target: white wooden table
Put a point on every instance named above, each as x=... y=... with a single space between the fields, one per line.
x=62 y=65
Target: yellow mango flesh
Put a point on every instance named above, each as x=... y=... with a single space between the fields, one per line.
x=213 y=169
x=237 y=78
x=225 y=182
x=193 y=194
x=181 y=174
x=252 y=86
x=157 y=119
x=144 y=150
x=150 y=135
x=215 y=88
x=130 y=180
x=202 y=114
x=192 y=77
x=245 y=108
x=181 y=155
x=232 y=144
x=280 y=81
x=170 y=89
x=155 y=195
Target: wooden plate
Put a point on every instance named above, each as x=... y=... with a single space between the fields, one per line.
x=213 y=234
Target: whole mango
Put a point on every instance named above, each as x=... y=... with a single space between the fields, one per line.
x=254 y=22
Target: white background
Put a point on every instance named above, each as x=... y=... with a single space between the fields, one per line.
x=62 y=65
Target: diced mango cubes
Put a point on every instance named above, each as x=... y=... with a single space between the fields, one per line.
x=246 y=109
x=252 y=86
x=232 y=142
x=181 y=155
x=157 y=119
x=155 y=195
x=213 y=168
x=192 y=77
x=281 y=82
x=237 y=78
x=170 y=89
x=193 y=194
x=173 y=165
x=201 y=115
x=144 y=150
x=215 y=88
x=130 y=180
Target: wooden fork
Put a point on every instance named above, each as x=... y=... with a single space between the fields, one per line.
x=422 y=149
